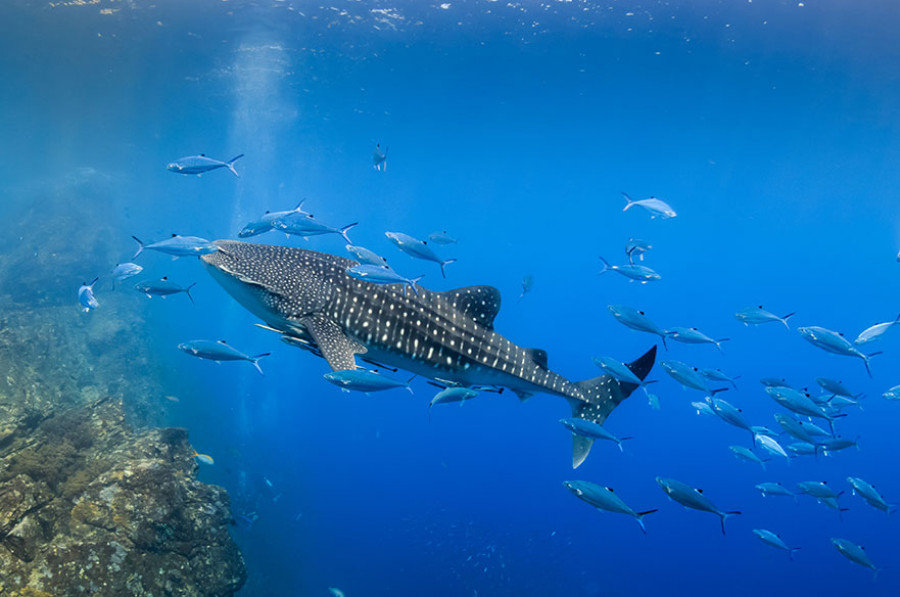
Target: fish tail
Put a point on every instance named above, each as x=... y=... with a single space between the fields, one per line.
x=628 y=200
x=640 y=518
x=413 y=282
x=230 y=164
x=443 y=263
x=791 y=552
x=605 y=266
x=784 y=319
x=343 y=231
x=724 y=515
x=719 y=344
x=187 y=291
x=619 y=443
x=140 y=246
x=599 y=396
x=255 y=361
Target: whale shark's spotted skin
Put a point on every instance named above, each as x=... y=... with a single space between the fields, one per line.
x=449 y=336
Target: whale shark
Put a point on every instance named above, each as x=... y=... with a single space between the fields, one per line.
x=449 y=336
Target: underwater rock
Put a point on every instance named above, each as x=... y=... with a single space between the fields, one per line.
x=89 y=507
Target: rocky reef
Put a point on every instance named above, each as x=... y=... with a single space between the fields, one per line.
x=93 y=500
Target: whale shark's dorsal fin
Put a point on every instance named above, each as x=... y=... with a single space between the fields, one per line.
x=481 y=303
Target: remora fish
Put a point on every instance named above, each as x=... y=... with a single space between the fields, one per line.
x=219 y=351
x=689 y=497
x=603 y=498
x=417 y=248
x=200 y=164
x=447 y=336
x=758 y=316
x=657 y=207
x=834 y=343
x=177 y=246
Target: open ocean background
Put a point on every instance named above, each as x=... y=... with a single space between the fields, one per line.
x=772 y=128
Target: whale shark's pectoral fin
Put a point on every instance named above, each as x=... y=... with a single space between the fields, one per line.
x=339 y=350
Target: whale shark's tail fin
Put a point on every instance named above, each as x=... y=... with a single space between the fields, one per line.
x=601 y=395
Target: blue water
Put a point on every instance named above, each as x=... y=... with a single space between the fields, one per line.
x=772 y=129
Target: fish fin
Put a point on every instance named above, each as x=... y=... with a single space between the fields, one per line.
x=784 y=319
x=605 y=266
x=539 y=356
x=413 y=282
x=443 y=263
x=792 y=550
x=523 y=396
x=601 y=396
x=339 y=350
x=140 y=246
x=343 y=231
x=717 y=390
x=640 y=518
x=255 y=361
x=724 y=515
x=230 y=164
x=481 y=303
x=187 y=291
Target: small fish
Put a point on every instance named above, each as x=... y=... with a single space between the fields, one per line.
x=834 y=343
x=417 y=248
x=636 y=248
x=618 y=370
x=656 y=207
x=763 y=430
x=365 y=256
x=818 y=489
x=693 y=336
x=770 y=538
x=636 y=320
x=163 y=288
x=382 y=274
x=771 y=382
x=834 y=445
x=692 y=498
x=603 y=498
x=892 y=393
x=730 y=414
x=379 y=162
x=264 y=223
x=802 y=448
x=178 y=246
x=687 y=376
x=718 y=375
x=452 y=394
x=86 y=296
x=442 y=238
x=200 y=164
x=335 y=592
x=527 y=284
x=172 y=398
x=797 y=429
x=204 y=458
x=307 y=226
x=855 y=553
x=768 y=489
x=870 y=494
x=589 y=429
x=640 y=273
x=743 y=453
x=771 y=445
x=799 y=403
x=834 y=387
x=363 y=380
x=219 y=351
x=758 y=316
x=876 y=331
x=125 y=270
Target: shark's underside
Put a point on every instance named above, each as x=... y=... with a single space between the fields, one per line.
x=446 y=336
